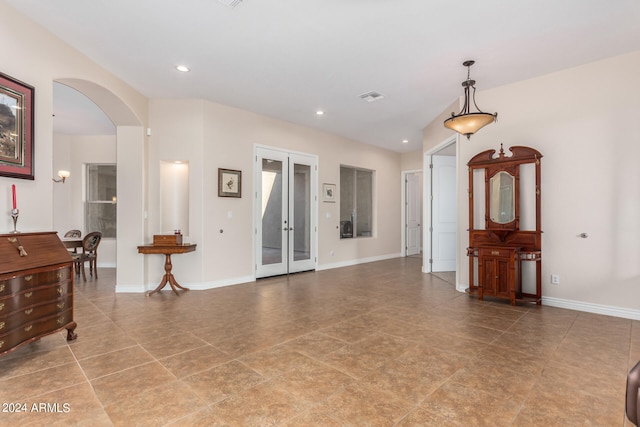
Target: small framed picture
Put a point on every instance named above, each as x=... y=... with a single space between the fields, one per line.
x=329 y=193
x=229 y=183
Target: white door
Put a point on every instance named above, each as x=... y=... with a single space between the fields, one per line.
x=443 y=213
x=285 y=212
x=413 y=212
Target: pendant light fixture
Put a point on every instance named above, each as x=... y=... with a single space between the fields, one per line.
x=466 y=122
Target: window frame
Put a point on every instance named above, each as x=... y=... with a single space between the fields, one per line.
x=357 y=232
x=87 y=202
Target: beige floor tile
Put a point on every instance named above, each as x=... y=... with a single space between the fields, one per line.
x=193 y=361
x=155 y=407
x=125 y=384
x=223 y=381
x=114 y=361
x=262 y=405
x=378 y=344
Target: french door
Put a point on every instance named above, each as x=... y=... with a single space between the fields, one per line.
x=285 y=217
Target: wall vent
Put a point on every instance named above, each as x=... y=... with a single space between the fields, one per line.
x=372 y=96
x=230 y=3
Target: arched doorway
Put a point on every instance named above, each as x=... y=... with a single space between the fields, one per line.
x=130 y=161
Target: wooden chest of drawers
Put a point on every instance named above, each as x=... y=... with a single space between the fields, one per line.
x=36 y=289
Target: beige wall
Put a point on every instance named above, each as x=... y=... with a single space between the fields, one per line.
x=39 y=59
x=411 y=161
x=583 y=120
x=211 y=136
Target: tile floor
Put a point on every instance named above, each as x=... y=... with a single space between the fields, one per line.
x=378 y=344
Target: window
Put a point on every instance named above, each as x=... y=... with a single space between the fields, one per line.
x=356 y=202
x=100 y=209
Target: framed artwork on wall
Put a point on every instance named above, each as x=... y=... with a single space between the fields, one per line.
x=329 y=193
x=229 y=183
x=16 y=128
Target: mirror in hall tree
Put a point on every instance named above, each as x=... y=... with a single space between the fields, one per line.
x=502 y=198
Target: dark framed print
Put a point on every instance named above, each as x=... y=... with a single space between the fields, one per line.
x=16 y=128
x=229 y=183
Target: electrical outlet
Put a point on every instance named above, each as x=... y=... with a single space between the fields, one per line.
x=555 y=279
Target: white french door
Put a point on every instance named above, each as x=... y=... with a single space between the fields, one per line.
x=286 y=206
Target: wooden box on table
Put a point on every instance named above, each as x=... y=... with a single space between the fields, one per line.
x=167 y=239
x=36 y=289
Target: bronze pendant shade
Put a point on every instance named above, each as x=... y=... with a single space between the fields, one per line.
x=467 y=122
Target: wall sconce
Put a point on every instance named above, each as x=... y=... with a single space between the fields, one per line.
x=63 y=176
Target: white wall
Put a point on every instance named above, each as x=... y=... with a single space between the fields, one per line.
x=41 y=59
x=211 y=136
x=584 y=122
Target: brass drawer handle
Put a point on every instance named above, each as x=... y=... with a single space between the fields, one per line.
x=61 y=305
x=495 y=252
x=28 y=294
x=29 y=311
x=1 y=325
x=61 y=321
x=28 y=328
x=60 y=290
x=1 y=306
x=2 y=287
x=28 y=278
x=1 y=344
x=59 y=275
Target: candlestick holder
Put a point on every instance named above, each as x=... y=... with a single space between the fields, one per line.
x=14 y=217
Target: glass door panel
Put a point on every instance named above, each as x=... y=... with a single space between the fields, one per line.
x=271 y=214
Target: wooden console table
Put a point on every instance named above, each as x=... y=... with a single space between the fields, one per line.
x=167 y=251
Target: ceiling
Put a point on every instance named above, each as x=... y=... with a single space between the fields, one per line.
x=287 y=59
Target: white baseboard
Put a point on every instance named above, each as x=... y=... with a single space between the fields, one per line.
x=607 y=310
x=138 y=289
x=357 y=261
x=588 y=307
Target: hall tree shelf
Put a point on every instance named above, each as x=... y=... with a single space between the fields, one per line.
x=505 y=235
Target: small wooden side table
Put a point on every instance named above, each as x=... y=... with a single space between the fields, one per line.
x=167 y=251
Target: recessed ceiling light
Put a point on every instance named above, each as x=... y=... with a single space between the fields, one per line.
x=182 y=68
x=319 y=113
x=405 y=141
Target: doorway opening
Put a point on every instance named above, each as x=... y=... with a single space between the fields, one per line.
x=440 y=209
x=285 y=212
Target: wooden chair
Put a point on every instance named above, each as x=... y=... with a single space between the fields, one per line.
x=89 y=253
x=73 y=233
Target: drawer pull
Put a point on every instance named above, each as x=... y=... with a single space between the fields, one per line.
x=28 y=278
x=28 y=294
x=1 y=325
x=60 y=290
x=59 y=275
x=61 y=321
x=2 y=287
x=1 y=306
x=61 y=305
x=28 y=328
x=495 y=252
x=29 y=311
x=1 y=344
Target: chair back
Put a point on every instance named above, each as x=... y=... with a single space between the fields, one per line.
x=73 y=233
x=91 y=241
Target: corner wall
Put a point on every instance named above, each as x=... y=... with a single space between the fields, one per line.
x=584 y=122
